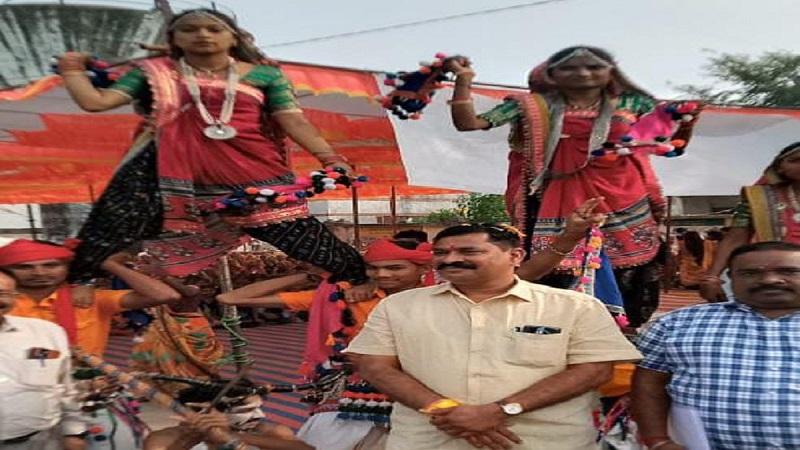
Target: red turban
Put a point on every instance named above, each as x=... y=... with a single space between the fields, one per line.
x=25 y=250
x=386 y=250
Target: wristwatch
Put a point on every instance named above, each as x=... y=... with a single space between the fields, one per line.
x=511 y=409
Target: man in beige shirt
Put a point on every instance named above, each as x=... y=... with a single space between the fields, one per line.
x=522 y=360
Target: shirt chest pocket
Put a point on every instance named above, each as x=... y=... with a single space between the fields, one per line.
x=528 y=349
x=40 y=372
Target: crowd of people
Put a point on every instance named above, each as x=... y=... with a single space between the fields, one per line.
x=488 y=336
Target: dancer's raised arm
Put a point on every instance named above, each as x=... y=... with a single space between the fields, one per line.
x=461 y=108
x=72 y=67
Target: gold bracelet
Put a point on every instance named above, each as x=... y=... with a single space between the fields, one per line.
x=558 y=252
x=73 y=72
x=460 y=101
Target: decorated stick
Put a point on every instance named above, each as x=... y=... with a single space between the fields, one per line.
x=139 y=387
x=136 y=385
x=262 y=390
x=231 y=320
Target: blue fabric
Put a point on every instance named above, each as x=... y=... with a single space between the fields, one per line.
x=739 y=369
x=605 y=285
x=118 y=284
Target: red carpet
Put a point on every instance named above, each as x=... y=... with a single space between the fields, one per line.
x=277 y=351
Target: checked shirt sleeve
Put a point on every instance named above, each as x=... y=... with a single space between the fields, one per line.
x=653 y=346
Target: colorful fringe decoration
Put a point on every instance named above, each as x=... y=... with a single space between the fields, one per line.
x=97 y=70
x=318 y=182
x=361 y=401
x=589 y=254
x=652 y=133
x=414 y=90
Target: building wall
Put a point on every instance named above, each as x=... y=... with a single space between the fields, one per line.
x=684 y=206
x=410 y=209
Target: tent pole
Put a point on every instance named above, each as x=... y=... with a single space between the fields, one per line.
x=393 y=209
x=31 y=221
x=91 y=193
x=669 y=260
x=356 y=228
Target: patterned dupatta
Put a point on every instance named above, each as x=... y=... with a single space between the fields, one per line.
x=771 y=211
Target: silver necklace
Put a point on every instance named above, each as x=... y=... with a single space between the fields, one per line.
x=793 y=201
x=217 y=129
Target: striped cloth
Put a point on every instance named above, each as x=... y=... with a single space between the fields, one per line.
x=678 y=298
x=278 y=352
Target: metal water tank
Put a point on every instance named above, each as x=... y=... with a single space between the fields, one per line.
x=32 y=33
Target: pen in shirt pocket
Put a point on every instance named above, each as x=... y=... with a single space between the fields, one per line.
x=534 y=329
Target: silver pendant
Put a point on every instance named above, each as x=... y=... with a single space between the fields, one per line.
x=796 y=217
x=219 y=132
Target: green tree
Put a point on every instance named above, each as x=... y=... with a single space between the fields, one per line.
x=474 y=208
x=771 y=79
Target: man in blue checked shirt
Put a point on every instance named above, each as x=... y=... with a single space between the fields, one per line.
x=733 y=367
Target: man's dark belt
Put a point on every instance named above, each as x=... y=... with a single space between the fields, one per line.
x=19 y=439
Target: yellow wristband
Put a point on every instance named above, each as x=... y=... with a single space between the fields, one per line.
x=444 y=403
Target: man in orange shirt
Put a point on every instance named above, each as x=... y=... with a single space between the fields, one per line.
x=40 y=269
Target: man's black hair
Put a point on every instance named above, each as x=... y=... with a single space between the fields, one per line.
x=408 y=244
x=500 y=235
x=417 y=235
x=762 y=247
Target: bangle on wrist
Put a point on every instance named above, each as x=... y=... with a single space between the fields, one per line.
x=659 y=444
x=649 y=441
x=460 y=101
x=67 y=73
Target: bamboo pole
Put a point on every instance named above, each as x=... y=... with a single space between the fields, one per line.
x=670 y=261
x=31 y=221
x=356 y=223
x=393 y=209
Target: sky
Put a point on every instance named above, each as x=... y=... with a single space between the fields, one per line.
x=660 y=44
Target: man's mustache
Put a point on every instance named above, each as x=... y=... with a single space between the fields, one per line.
x=769 y=288
x=457 y=265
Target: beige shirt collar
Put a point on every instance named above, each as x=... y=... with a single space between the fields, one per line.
x=517 y=290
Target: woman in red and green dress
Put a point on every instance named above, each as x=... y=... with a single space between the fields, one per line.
x=579 y=99
x=215 y=122
x=768 y=211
